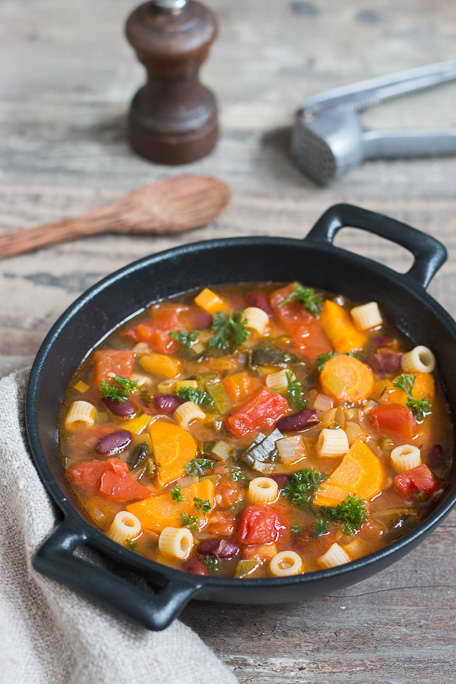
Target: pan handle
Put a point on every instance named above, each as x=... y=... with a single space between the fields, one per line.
x=429 y=253
x=55 y=559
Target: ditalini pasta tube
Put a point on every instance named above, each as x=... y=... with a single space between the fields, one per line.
x=286 y=563
x=332 y=443
x=124 y=526
x=367 y=316
x=405 y=457
x=256 y=319
x=81 y=412
x=335 y=555
x=188 y=412
x=419 y=360
x=262 y=490
x=175 y=542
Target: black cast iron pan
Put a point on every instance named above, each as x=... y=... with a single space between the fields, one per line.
x=316 y=262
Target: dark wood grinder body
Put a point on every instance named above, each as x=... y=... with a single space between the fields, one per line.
x=173 y=117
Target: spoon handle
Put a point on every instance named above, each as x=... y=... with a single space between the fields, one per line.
x=24 y=240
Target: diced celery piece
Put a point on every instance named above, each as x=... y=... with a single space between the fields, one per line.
x=214 y=387
x=245 y=567
x=222 y=450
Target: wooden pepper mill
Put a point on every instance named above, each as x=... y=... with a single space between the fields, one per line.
x=173 y=118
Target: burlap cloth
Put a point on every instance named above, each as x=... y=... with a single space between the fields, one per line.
x=48 y=634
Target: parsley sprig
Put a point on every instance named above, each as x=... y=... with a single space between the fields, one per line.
x=304 y=484
x=307 y=296
x=131 y=544
x=184 y=337
x=202 y=505
x=229 y=330
x=197 y=466
x=120 y=389
x=190 y=521
x=295 y=392
x=419 y=407
x=320 y=527
x=320 y=363
x=351 y=513
x=198 y=396
x=238 y=475
x=176 y=494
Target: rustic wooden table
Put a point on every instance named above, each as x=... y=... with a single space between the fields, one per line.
x=67 y=76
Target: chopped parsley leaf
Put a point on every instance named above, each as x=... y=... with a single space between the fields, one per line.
x=307 y=297
x=198 y=396
x=320 y=363
x=176 y=494
x=229 y=330
x=419 y=407
x=295 y=392
x=184 y=337
x=202 y=505
x=351 y=513
x=304 y=484
x=131 y=544
x=197 y=466
x=190 y=521
x=320 y=527
x=120 y=389
x=296 y=529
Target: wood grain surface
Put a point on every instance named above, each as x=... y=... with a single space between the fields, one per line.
x=66 y=78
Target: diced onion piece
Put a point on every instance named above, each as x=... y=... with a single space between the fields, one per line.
x=124 y=526
x=256 y=319
x=322 y=402
x=354 y=431
x=175 y=542
x=291 y=449
x=262 y=490
x=198 y=347
x=182 y=384
x=405 y=457
x=222 y=450
x=355 y=549
x=81 y=412
x=286 y=563
x=419 y=360
x=327 y=418
x=188 y=412
x=141 y=348
x=262 y=467
x=141 y=380
x=335 y=555
x=332 y=443
x=367 y=316
x=278 y=381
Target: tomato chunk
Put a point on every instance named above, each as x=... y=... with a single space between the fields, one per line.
x=109 y=478
x=258 y=525
x=306 y=331
x=155 y=333
x=394 y=419
x=417 y=478
x=118 y=361
x=263 y=410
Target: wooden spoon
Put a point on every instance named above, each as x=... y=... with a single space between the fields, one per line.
x=169 y=205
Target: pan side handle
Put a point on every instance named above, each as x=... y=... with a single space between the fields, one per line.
x=155 y=611
x=429 y=253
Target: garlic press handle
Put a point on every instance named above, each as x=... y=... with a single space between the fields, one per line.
x=408 y=143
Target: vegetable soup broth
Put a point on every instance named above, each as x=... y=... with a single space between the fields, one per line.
x=257 y=431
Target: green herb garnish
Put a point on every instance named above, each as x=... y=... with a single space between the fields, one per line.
x=120 y=389
x=211 y=562
x=198 y=396
x=320 y=363
x=131 y=544
x=320 y=527
x=238 y=475
x=295 y=392
x=184 y=337
x=304 y=484
x=307 y=297
x=386 y=442
x=202 y=505
x=190 y=521
x=351 y=513
x=296 y=529
x=197 y=466
x=230 y=330
x=419 y=407
x=176 y=494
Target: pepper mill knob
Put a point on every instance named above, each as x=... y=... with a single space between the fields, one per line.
x=173 y=117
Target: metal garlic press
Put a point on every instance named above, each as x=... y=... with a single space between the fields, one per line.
x=328 y=136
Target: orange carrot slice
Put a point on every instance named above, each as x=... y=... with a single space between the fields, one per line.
x=347 y=379
x=210 y=302
x=240 y=386
x=360 y=472
x=423 y=388
x=173 y=448
x=340 y=329
x=158 y=512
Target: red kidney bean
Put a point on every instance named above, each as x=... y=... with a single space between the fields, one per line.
x=385 y=361
x=114 y=442
x=201 y=319
x=120 y=408
x=195 y=567
x=281 y=480
x=436 y=457
x=298 y=421
x=260 y=300
x=221 y=548
x=166 y=403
